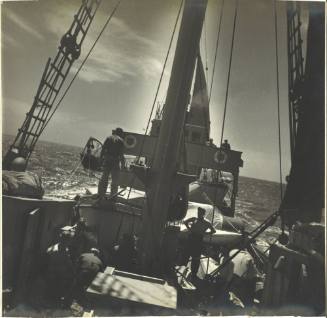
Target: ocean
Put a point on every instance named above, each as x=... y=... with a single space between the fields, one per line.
x=64 y=177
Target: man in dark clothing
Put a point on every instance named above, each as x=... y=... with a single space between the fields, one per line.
x=60 y=269
x=112 y=154
x=126 y=253
x=88 y=266
x=225 y=145
x=198 y=228
x=83 y=240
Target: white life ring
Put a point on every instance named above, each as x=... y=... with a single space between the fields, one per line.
x=130 y=141
x=220 y=156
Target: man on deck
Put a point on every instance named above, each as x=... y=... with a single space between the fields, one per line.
x=198 y=228
x=112 y=154
x=225 y=145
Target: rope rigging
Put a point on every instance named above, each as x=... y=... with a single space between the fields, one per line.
x=210 y=93
x=75 y=76
x=214 y=65
x=278 y=105
x=154 y=103
x=228 y=77
x=205 y=47
x=161 y=75
x=211 y=85
x=250 y=239
x=283 y=237
x=216 y=51
x=83 y=62
x=263 y=226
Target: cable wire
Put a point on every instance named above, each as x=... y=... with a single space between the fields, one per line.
x=152 y=109
x=157 y=91
x=161 y=76
x=82 y=64
x=228 y=77
x=216 y=52
x=278 y=105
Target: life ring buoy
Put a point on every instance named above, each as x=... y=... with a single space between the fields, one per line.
x=130 y=141
x=220 y=156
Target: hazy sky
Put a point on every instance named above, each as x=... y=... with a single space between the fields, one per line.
x=118 y=83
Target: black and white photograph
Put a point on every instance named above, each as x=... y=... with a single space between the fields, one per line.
x=163 y=158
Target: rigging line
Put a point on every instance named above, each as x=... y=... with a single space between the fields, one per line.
x=244 y=244
x=255 y=251
x=162 y=73
x=217 y=42
x=119 y=229
x=278 y=105
x=73 y=172
x=205 y=47
x=183 y=152
x=159 y=84
x=271 y=245
x=157 y=92
x=82 y=64
x=152 y=109
x=228 y=77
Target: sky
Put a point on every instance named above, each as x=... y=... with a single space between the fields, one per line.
x=117 y=85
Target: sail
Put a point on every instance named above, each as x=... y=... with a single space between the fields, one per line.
x=305 y=190
x=199 y=110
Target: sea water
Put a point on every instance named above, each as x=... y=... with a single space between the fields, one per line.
x=64 y=177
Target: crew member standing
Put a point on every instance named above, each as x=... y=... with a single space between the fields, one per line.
x=198 y=228
x=225 y=145
x=112 y=154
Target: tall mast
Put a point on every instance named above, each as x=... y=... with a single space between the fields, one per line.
x=163 y=180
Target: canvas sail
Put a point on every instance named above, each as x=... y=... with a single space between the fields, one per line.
x=199 y=110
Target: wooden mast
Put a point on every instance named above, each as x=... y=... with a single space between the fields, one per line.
x=163 y=179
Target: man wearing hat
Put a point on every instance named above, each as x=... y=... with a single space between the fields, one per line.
x=225 y=145
x=88 y=265
x=198 y=228
x=112 y=154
